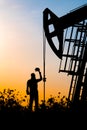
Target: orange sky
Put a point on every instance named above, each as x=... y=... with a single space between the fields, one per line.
x=21 y=45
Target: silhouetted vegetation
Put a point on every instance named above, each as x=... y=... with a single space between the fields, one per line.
x=55 y=104
x=53 y=110
x=10 y=100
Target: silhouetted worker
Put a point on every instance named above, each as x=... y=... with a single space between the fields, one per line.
x=32 y=89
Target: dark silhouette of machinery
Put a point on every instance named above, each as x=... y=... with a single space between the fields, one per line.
x=67 y=37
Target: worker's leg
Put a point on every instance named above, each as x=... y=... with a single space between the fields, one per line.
x=31 y=102
x=36 y=101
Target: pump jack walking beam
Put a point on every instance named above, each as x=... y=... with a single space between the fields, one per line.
x=59 y=24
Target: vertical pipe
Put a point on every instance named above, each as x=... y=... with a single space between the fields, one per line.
x=44 y=52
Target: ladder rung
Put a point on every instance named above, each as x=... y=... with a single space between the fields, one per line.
x=72 y=40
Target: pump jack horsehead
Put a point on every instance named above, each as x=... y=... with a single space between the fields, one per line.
x=59 y=24
x=54 y=27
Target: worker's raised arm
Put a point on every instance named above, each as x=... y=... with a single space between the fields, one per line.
x=40 y=75
x=37 y=69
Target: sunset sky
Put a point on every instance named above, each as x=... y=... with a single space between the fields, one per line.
x=21 y=45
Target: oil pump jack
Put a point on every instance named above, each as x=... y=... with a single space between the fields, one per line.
x=67 y=37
